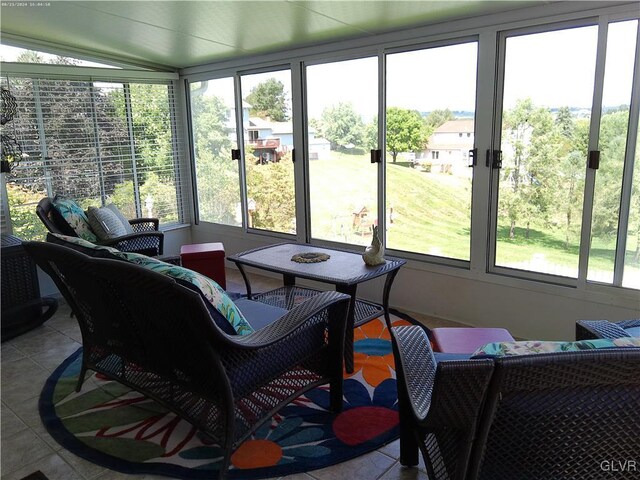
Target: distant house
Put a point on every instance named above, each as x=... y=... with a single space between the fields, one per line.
x=272 y=140
x=448 y=148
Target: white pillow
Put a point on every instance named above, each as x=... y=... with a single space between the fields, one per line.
x=105 y=224
x=118 y=213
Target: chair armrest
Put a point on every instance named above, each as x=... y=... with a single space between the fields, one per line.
x=293 y=320
x=415 y=367
x=148 y=243
x=592 y=329
x=449 y=393
x=145 y=224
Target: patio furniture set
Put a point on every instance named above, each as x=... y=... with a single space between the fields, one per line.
x=507 y=410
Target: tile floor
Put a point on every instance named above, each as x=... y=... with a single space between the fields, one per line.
x=28 y=360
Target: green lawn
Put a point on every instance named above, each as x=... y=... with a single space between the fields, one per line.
x=431 y=215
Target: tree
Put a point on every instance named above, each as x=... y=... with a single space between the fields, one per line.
x=271 y=186
x=217 y=174
x=406 y=131
x=342 y=126
x=436 y=118
x=526 y=164
x=268 y=99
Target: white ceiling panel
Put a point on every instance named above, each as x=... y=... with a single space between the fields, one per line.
x=179 y=34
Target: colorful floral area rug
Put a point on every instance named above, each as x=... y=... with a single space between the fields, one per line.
x=118 y=428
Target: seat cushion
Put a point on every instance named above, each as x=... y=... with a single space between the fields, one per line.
x=104 y=223
x=259 y=314
x=466 y=340
x=633 y=331
x=75 y=217
x=531 y=347
x=213 y=292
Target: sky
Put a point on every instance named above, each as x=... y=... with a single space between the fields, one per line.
x=553 y=68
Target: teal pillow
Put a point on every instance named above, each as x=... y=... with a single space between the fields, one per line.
x=506 y=349
x=213 y=292
x=75 y=217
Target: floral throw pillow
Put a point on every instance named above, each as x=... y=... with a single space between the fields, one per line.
x=213 y=292
x=505 y=349
x=75 y=217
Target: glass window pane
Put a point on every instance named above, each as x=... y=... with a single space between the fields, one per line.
x=153 y=140
x=214 y=135
x=631 y=273
x=430 y=130
x=614 y=124
x=268 y=146
x=342 y=104
x=548 y=91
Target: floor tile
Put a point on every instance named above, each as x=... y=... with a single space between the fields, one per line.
x=398 y=472
x=53 y=466
x=27 y=411
x=21 y=449
x=392 y=449
x=42 y=433
x=366 y=467
x=9 y=353
x=53 y=357
x=82 y=466
x=11 y=423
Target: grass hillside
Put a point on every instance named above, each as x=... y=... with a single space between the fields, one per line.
x=431 y=214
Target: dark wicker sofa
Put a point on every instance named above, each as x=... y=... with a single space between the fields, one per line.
x=146 y=238
x=157 y=336
x=560 y=416
x=591 y=329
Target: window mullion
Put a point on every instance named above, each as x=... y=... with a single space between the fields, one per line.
x=481 y=234
x=594 y=133
x=241 y=161
x=175 y=153
x=41 y=136
x=629 y=163
x=301 y=150
x=96 y=134
x=382 y=145
x=132 y=145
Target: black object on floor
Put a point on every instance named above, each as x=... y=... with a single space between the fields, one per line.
x=38 y=475
x=21 y=302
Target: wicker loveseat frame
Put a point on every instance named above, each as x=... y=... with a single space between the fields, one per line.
x=591 y=329
x=156 y=336
x=569 y=415
x=146 y=238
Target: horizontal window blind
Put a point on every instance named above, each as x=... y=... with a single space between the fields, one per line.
x=98 y=143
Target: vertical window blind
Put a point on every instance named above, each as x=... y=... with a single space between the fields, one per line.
x=97 y=142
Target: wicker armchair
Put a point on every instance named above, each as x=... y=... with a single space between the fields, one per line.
x=148 y=332
x=146 y=238
x=549 y=416
x=591 y=329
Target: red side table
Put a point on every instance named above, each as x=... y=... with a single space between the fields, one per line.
x=207 y=259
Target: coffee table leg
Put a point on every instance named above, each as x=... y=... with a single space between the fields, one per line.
x=246 y=280
x=348 y=338
x=385 y=296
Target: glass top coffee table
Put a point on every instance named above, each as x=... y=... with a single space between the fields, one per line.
x=344 y=269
